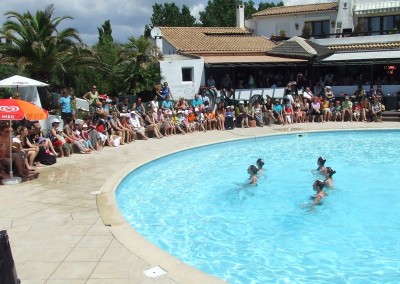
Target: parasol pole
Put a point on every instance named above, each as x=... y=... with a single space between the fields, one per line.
x=11 y=157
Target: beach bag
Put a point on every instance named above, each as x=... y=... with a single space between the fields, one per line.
x=48 y=159
x=44 y=157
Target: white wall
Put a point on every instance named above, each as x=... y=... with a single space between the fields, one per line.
x=171 y=70
x=167 y=48
x=272 y=25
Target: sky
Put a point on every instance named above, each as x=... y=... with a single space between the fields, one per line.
x=127 y=17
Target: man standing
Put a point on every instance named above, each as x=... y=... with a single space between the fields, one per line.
x=165 y=91
x=226 y=82
x=65 y=105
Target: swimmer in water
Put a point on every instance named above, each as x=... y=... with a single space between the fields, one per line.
x=318 y=187
x=252 y=171
x=321 y=165
x=328 y=177
x=260 y=163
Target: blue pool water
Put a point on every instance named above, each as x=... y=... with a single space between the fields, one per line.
x=193 y=205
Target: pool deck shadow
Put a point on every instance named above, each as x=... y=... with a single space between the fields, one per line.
x=65 y=227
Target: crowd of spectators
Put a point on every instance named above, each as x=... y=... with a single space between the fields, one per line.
x=245 y=79
x=113 y=123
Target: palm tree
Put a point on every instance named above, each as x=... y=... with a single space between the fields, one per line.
x=34 y=43
x=138 y=66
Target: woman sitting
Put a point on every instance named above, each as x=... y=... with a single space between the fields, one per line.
x=138 y=106
x=30 y=150
x=36 y=135
x=220 y=116
x=151 y=125
x=18 y=157
x=181 y=104
x=70 y=138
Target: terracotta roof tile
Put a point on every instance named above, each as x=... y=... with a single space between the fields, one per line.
x=297 y=9
x=366 y=46
x=198 y=40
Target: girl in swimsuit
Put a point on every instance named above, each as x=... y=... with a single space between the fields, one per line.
x=260 y=163
x=328 y=177
x=252 y=171
x=321 y=162
x=318 y=186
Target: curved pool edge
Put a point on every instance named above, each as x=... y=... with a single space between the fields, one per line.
x=147 y=251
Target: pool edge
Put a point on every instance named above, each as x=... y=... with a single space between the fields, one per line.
x=150 y=253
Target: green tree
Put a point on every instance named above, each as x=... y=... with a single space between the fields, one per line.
x=263 y=6
x=169 y=15
x=35 y=43
x=220 y=13
x=105 y=33
x=101 y=60
x=249 y=9
x=138 y=67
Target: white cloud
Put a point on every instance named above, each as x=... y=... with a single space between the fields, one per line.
x=128 y=17
x=196 y=9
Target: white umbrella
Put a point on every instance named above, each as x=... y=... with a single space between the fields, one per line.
x=20 y=81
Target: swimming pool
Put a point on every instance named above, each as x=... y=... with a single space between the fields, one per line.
x=191 y=204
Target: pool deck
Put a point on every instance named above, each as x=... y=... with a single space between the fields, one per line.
x=64 y=227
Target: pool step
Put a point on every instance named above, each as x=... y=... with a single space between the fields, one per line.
x=391 y=116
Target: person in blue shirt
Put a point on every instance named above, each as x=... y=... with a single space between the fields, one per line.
x=65 y=105
x=167 y=104
x=278 y=112
x=197 y=102
x=165 y=91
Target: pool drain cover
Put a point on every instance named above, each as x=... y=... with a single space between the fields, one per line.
x=154 y=272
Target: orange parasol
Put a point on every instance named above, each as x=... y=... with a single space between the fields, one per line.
x=17 y=110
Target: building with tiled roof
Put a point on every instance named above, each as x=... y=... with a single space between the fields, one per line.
x=341 y=26
x=188 y=52
x=203 y=41
x=310 y=8
x=342 y=35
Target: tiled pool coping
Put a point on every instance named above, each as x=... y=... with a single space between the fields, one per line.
x=62 y=232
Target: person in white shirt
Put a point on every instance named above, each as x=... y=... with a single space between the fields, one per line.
x=137 y=125
x=308 y=94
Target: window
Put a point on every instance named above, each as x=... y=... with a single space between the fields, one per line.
x=381 y=25
x=187 y=74
x=320 y=29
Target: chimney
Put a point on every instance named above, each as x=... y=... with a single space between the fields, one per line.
x=344 y=19
x=159 y=43
x=156 y=34
x=240 y=16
